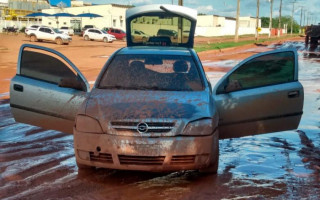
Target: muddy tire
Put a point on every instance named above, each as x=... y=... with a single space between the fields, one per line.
x=105 y=39
x=33 y=38
x=59 y=41
x=86 y=38
x=214 y=161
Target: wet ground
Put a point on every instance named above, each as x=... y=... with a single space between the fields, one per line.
x=40 y=164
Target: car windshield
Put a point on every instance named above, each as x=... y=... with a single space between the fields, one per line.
x=172 y=30
x=152 y=72
x=103 y=31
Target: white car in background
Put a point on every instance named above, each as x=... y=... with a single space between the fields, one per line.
x=49 y=34
x=67 y=30
x=32 y=27
x=96 y=34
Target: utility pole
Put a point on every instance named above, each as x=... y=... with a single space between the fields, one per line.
x=236 y=38
x=300 y=31
x=257 y=21
x=279 y=25
x=292 y=16
x=304 y=17
x=180 y=2
x=270 y=22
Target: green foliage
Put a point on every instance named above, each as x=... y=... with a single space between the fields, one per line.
x=22 y=29
x=228 y=44
x=284 y=20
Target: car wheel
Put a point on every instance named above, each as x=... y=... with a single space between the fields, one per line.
x=86 y=38
x=59 y=41
x=105 y=39
x=33 y=38
x=214 y=159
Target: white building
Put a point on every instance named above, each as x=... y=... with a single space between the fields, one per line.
x=113 y=15
x=214 y=25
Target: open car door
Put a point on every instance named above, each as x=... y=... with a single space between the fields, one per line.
x=47 y=89
x=261 y=94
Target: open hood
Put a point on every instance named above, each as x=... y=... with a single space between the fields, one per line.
x=161 y=25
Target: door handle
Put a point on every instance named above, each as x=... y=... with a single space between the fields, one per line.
x=18 y=87
x=293 y=94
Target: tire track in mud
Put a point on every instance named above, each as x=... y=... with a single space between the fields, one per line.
x=31 y=156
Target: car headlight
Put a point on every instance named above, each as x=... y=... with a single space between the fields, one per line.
x=199 y=127
x=88 y=124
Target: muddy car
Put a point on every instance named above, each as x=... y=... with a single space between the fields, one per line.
x=152 y=107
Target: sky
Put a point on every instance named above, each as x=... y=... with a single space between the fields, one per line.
x=229 y=7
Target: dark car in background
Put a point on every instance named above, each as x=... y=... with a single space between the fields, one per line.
x=85 y=28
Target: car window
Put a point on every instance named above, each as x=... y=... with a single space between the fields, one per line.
x=265 y=70
x=152 y=72
x=91 y=31
x=42 y=29
x=162 y=29
x=117 y=31
x=45 y=66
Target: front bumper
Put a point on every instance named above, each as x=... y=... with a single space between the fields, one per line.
x=143 y=153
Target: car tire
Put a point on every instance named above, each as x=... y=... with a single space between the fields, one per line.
x=86 y=38
x=105 y=39
x=59 y=41
x=33 y=38
x=214 y=159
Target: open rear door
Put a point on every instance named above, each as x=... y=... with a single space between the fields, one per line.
x=161 y=25
x=47 y=90
x=262 y=94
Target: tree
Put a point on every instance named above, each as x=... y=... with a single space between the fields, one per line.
x=284 y=20
x=265 y=22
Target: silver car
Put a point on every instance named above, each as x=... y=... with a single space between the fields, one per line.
x=152 y=107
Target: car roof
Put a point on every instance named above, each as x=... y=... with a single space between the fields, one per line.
x=158 y=50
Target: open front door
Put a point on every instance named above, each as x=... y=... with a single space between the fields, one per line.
x=47 y=89
x=262 y=94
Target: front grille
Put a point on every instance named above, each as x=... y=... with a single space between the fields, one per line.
x=180 y=160
x=153 y=127
x=141 y=160
x=101 y=157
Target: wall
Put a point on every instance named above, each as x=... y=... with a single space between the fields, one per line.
x=110 y=15
x=17 y=24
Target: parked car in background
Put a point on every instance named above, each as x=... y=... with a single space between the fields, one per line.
x=152 y=107
x=118 y=33
x=48 y=34
x=139 y=36
x=67 y=30
x=96 y=34
x=32 y=27
x=85 y=28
